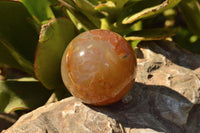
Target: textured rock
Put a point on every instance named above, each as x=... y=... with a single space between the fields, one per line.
x=168 y=65
x=164 y=99
x=142 y=131
x=193 y=124
x=66 y=116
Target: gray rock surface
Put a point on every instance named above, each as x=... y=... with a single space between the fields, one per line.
x=164 y=99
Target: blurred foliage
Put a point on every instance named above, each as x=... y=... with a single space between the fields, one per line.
x=14 y=95
x=34 y=34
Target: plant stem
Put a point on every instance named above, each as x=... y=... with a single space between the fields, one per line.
x=105 y=24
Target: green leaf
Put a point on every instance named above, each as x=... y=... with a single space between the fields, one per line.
x=69 y=4
x=142 y=9
x=191 y=12
x=78 y=17
x=85 y=5
x=53 y=2
x=109 y=9
x=58 y=10
x=151 y=34
x=88 y=10
x=54 y=38
x=119 y=3
x=16 y=28
x=17 y=32
x=39 y=8
x=186 y=39
x=15 y=95
x=82 y=12
x=134 y=43
x=12 y=58
x=7 y=58
x=111 y=6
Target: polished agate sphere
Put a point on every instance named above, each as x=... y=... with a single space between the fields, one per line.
x=98 y=67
